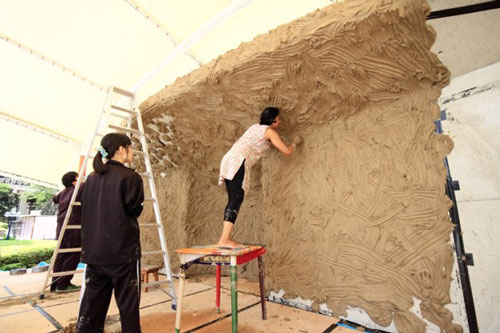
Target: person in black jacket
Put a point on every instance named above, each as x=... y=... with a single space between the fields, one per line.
x=67 y=261
x=111 y=203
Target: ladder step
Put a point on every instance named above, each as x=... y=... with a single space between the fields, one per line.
x=150 y=199
x=78 y=271
x=77 y=203
x=73 y=227
x=148 y=225
x=69 y=250
x=124 y=129
x=120 y=108
x=145 y=174
x=122 y=92
x=113 y=114
x=150 y=253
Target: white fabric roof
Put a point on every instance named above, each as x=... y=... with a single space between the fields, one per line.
x=89 y=45
x=49 y=107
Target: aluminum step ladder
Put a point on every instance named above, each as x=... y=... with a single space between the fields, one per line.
x=119 y=107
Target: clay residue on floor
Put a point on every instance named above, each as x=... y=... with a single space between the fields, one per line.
x=30 y=298
x=358 y=215
x=165 y=322
x=17 y=300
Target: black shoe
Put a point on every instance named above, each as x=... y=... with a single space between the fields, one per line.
x=68 y=289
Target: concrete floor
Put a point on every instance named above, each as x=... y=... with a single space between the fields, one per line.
x=27 y=313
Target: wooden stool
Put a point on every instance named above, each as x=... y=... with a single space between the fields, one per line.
x=146 y=270
x=213 y=255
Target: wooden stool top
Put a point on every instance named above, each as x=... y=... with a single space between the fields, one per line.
x=214 y=255
x=215 y=250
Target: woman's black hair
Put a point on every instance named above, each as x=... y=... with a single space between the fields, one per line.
x=68 y=178
x=268 y=115
x=110 y=144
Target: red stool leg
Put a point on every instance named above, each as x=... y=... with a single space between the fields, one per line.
x=217 y=288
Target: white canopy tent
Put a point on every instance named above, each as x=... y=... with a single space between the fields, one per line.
x=57 y=58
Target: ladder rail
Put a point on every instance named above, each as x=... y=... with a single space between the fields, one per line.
x=156 y=207
x=73 y=197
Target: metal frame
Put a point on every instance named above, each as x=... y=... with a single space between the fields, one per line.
x=463 y=259
x=479 y=7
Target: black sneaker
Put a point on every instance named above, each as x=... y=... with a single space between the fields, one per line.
x=68 y=289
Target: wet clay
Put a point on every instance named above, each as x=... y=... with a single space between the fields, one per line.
x=357 y=216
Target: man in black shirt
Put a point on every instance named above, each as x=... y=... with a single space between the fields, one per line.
x=67 y=261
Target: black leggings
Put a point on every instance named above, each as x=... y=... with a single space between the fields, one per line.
x=235 y=194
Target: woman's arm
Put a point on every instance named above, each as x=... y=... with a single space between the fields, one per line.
x=275 y=139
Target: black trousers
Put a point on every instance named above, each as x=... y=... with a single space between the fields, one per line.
x=66 y=261
x=235 y=194
x=100 y=281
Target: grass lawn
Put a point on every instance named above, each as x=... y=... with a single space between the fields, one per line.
x=9 y=247
x=24 y=253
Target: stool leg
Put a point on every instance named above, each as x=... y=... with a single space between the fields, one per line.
x=217 y=288
x=180 y=296
x=146 y=280
x=262 y=288
x=155 y=274
x=234 y=295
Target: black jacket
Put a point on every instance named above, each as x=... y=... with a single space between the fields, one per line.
x=62 y=200
x=111 y=204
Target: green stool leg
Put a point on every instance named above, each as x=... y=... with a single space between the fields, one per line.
x=262 y=288
x=234 y=295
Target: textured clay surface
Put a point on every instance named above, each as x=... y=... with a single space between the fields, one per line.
x=357 y=216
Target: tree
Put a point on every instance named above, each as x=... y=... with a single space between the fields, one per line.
x=42 y=198
x=8 y=199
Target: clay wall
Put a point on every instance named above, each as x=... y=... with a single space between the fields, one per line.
x=357 y=216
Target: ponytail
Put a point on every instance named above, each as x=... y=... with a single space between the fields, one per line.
x=109 y=145
x=98 y=164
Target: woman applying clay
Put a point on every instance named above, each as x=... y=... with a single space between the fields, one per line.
x=236 y=165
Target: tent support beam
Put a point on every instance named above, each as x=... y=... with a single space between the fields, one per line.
x=37 y=128
x=195 y=37
x=160 y=26
x=28 y=179
x=51 y=61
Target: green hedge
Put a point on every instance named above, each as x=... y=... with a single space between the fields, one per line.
x=26 y=259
